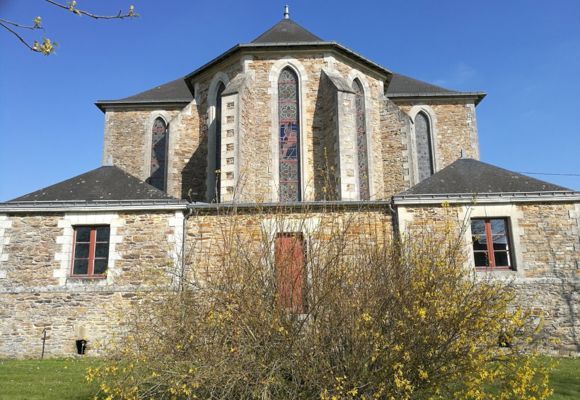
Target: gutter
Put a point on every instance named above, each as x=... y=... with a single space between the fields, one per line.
x=488 y=198
x=291 y=206
x=103 y=105
x=476 y=96
x=91 y=206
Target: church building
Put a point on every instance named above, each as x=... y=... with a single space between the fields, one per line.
x=287 y=121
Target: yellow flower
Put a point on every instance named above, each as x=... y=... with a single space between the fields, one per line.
x=422 y=312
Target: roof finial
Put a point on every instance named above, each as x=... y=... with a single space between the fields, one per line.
x=286 y=12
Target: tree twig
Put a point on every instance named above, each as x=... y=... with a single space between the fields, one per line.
x=31 y=27
x=18 y=36
x=72 y=8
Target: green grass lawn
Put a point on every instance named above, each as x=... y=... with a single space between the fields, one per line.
x=46 y=379
x=565 y=379
x=64 y=379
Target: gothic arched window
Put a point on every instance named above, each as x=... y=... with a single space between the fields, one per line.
x=289 y=136
x=424 y=146
x=159 y=136
x=361 y=142
x=218 y=142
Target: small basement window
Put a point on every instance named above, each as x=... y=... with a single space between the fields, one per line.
x=90 y=251
x=491 y=243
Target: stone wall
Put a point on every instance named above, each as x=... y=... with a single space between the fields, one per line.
x=454 y=128
x=389 y=128
x=211 y=234
x=325 y=140
x=128 y=137
x=205 y=100
x=395 y=130
x=550 y=239
x=260 y=102
x=35 y=292
x=545 y=249
x=183 y=179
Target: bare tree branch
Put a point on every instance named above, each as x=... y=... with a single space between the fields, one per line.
x=2 y=24
x=17 y=25
x=71 y=6
x=47 y=46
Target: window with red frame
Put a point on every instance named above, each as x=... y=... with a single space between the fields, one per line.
x=91 y=251
x=291 y=271
x=491 y=243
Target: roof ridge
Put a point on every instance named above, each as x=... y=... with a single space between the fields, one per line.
x=280 y=30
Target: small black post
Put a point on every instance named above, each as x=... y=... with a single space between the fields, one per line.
x=43 y=342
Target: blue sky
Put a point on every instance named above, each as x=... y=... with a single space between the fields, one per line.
x=524 y=54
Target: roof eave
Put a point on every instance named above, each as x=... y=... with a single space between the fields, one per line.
x=104 y=104
x=477 y=97
x=91 y=206
x=475 y=199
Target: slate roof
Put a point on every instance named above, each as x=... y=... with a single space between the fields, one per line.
x=175 y=91
x=289 y=34
x=469 y=176
x=287 y=31
x=401 y=84
x=103 y=183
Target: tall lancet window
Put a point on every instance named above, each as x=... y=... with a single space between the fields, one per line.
x=159 y=136
x=289 y=131
x=218 y=142
x=424 y=146
x=361 y=142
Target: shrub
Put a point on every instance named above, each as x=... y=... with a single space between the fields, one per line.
x=377 y=318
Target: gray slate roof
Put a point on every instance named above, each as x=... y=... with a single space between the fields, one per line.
x=469 y=176
x=103 y=183
x=289 y=34
x=287 y=31
x=175 y=91
x=401 y=84
x=402 y=87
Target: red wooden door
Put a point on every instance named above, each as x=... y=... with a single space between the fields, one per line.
x=290 y=271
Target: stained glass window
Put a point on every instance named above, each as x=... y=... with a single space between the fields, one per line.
x=289 y=130
x=361 y=142
x=424 y=147
x=218 y=141
x=158 y=154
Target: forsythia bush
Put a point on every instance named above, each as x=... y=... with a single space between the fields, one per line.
x=382 y=319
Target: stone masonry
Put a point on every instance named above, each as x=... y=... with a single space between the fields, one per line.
x=546 y=253
x=34 y=297
x=254 y=166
